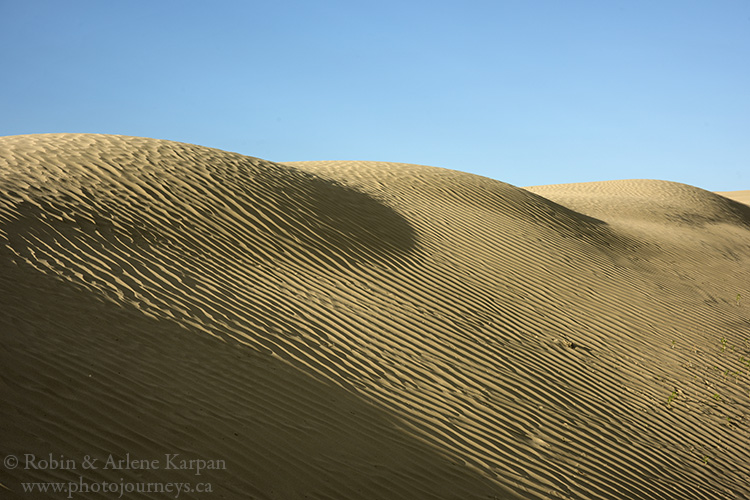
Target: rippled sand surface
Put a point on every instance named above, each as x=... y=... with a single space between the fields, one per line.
x=368 y=330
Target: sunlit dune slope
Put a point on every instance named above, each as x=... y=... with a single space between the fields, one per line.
x=369 y=330
x=741 y=196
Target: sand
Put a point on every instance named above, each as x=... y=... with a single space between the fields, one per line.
x=741 y=196
x=365 y=330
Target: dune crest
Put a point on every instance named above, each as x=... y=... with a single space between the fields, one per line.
x=371 y=330
x=645 y=200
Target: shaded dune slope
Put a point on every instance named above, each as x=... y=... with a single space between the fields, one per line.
x=370 y=330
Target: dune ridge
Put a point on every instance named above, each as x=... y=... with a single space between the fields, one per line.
x=371 y=330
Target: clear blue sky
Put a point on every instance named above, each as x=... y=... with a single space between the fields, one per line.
x=524 y=91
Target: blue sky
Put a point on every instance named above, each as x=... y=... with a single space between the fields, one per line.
x=526 y=92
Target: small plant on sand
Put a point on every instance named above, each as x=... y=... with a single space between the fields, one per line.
x=738 y=298
x=671 y=398
x=718 y=383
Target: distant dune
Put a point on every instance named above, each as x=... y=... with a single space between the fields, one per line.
x=361 y=330
x=741 y=196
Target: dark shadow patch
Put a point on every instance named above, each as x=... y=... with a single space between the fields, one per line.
x=322 y=216
x=288 y=210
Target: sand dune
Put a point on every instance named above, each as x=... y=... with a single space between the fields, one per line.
x=741 y=196
x=367 y=330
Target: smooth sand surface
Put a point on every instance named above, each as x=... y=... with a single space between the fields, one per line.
x=741 y=196
x=361 y=330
